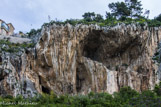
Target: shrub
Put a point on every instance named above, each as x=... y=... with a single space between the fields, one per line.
x=157 y=89
x=146 y=99
x=126 y=97
x=123 y=96
x=14 y=47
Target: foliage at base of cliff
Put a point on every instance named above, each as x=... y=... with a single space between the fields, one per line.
x=126 y=97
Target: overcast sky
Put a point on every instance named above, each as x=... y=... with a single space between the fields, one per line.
x=27 y=14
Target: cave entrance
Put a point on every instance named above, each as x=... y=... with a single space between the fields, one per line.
x=83 y=79
x=109 y=48
x=91 y=45
x=0 y=60
x=45 y=90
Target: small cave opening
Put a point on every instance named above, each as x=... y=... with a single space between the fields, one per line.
x=82 y=78
x=45 y=90
x=24 y=85
x=0 y=60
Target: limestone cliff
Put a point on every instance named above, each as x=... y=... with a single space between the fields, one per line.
x=83 y=58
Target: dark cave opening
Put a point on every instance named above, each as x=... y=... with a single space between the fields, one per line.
x=45 y=90
x=109 y=47
x=0 y=60
x=78 y=83
x=82 y=78
x=91 y=45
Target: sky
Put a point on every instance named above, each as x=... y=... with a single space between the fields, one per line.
x=28 y=14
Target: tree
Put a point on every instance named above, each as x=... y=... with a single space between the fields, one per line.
x=158 y=17
x=91 y=16
x=98 y=18
x=110 y=16
x=129 y=8
x=157 y=89
x=32 y=32
x=145 y=99
x=134 y=7
x=119 y=9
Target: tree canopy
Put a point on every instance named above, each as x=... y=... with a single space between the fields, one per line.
x=158 y=17
x=129 y=8
x=91 y=16
x=119 y=9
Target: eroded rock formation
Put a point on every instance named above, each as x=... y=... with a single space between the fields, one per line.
x=84 y=58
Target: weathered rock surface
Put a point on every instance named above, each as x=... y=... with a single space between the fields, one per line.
x=84 y=58
x=15 y=39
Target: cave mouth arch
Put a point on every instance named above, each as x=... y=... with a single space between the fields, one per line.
x=109 y=47
x=83 y=79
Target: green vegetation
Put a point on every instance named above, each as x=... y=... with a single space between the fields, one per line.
x=33 y=32
x=126 y=97
x=7 y=46
x=92 y=17
x=129 y=11
x=129 y=8
x=124 y=64
x=158 y=18
x=156 y=57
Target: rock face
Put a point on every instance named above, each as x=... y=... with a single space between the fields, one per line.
x=84 y=58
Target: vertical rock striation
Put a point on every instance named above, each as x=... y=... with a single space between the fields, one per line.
x=79 y=59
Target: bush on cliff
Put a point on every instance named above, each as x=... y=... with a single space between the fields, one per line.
x=7 y=46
